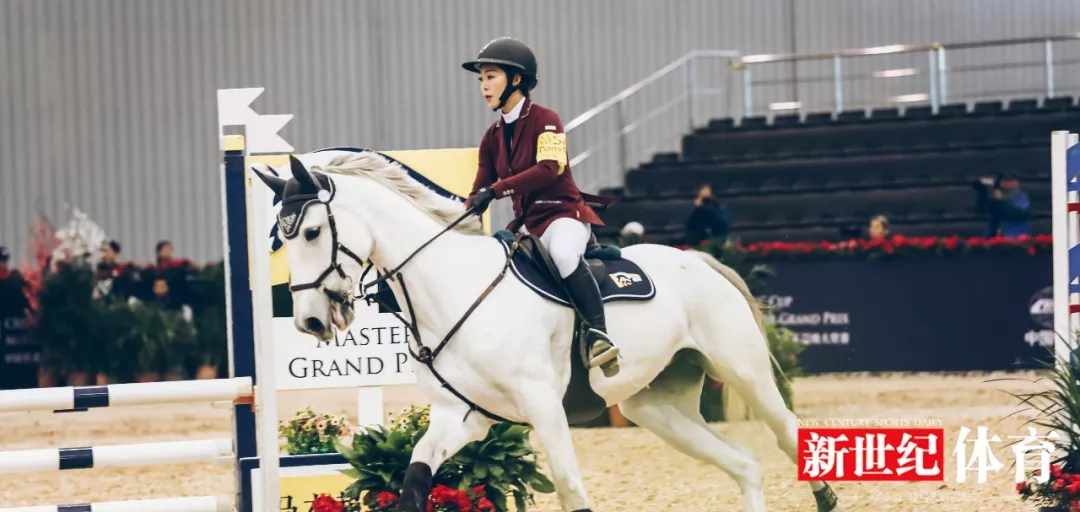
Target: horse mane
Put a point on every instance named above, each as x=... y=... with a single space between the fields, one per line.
x=371 y=165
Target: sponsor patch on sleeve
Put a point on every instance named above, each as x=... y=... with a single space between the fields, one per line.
x=552 y=146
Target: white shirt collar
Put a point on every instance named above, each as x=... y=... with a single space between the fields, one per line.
x=514 y=113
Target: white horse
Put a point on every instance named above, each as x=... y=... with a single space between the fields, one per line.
x=511 y=356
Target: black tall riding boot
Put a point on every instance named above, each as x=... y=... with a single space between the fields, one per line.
x=585 y=294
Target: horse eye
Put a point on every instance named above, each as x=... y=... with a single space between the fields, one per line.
x=311 y=234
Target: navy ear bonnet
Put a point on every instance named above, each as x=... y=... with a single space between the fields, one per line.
x=297 y=197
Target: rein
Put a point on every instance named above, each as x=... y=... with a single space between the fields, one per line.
x=425 y=355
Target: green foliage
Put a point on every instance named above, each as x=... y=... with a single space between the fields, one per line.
x=503 y=462
x=1057 y=407
x=786 y=350
x=210 y=316
x=67 y=321
x=80 y=332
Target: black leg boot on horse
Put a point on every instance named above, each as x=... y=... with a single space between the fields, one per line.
x=585 y=293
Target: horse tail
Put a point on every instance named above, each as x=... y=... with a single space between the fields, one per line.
x=756 y=307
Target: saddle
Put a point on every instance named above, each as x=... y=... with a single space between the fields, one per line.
x=619 y=279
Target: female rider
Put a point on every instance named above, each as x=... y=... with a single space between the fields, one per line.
x=523 y=156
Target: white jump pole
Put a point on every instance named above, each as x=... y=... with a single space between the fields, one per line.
x=114 y=395
x=126 y=455
x=192 y=504
x=266 y=391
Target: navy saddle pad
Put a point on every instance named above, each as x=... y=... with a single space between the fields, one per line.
x=625 y=279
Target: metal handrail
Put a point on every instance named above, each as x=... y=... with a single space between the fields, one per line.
x=902 y=48
x=937 y=91
x=624 y=126
x=602 y=172
x=658 y=74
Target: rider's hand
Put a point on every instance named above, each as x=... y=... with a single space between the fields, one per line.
x=481 y=199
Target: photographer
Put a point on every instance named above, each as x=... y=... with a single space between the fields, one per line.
x=708 y=220
x=1006 y=205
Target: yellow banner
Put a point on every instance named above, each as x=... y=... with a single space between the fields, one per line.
x=451 y=169
x=301 y=491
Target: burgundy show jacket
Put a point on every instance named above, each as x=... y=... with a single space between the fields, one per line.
x=542 y=190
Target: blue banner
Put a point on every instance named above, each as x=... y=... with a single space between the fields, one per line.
x=932 y=314
x=19 y=351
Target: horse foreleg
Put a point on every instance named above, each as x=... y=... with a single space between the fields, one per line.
x=550 y=425
x=445 y=436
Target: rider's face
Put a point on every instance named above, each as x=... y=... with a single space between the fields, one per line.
x=492 y=84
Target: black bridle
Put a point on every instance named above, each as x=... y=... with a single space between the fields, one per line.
x=425 y=355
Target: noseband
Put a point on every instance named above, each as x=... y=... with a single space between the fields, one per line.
x=289 y=226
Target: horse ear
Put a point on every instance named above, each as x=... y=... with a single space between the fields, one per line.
x=276 y=184
x=304 y=177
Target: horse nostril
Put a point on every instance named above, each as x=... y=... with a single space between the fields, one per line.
x=314 y=325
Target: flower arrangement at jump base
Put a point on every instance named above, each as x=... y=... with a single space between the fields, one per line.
x=483 y=476
x=1057 y=409
x=1060 y=492
x=311 y=433
x=896 y=246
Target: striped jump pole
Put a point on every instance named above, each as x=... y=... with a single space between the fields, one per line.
x=113 y=395
x=126 y=455
x=192 y=504
x=1064 y=169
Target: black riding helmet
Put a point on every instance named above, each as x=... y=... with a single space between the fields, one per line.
x=515 y=58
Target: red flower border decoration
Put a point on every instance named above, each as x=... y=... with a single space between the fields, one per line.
x=895 y=246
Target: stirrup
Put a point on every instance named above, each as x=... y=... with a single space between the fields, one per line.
x=603 y=353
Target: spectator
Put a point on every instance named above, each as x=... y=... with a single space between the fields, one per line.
x=1007 y=206
x=165 y=298
x=163 y=252
x=5 y=257
x=708 y=220
x=110 y=251
x=879 y=227
x=631 y=234
x=12 y=283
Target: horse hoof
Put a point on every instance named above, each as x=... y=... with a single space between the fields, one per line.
x=826 y=500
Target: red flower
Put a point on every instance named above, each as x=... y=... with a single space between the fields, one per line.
x=484 y=504
x=326 y=503
x=386 y=498
x=1074 y=486
x=441 y=494
x=1020 y=487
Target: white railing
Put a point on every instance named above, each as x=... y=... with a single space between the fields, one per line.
x=899 y=75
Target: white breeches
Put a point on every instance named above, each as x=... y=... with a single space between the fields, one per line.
x=565 y=240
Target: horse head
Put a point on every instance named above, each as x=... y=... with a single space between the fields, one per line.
x=322 y=257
